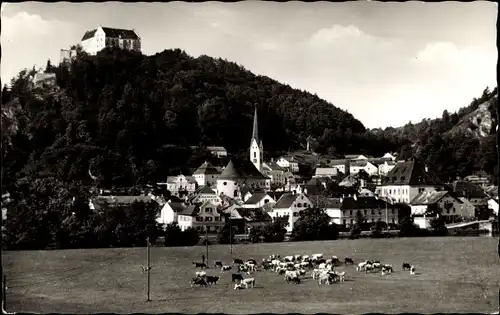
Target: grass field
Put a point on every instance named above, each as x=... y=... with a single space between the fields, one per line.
x=453 y=275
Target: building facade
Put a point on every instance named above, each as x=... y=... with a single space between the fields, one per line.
x=96 y=40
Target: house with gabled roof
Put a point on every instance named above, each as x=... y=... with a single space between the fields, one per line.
x=258 y=199
x=206 y=174
x=323 y=170
x=244 y=219
x=361 y=164
x=169 y=212
x=181 y=184
x=202 y=216
x=289 y=162
x=444 y=201
x=408 y=179
x=275 y=172
x=97 y=39
x=218 y=151
x=203 y=194
x=290 y=205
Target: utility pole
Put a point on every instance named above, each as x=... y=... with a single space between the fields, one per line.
x=386 y=216
x=206 y=242
x=230 y=235
x=4 y=293
x=149 y=268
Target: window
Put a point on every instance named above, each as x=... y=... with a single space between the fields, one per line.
x=392 y=211
x=208 y=219
x=373 y=212
x=255 y=154
x=235 y=193
x=350 y=212
x=344 y=222
x=299 y=205
x=392 y=220
x=208 y=210
x=295 y=214
x=216 y=218
x=199 y=219
x=366 y=212
x=198 y=228
x=225 y=183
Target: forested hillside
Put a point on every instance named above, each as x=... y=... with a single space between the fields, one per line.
x=457 y=144
x=130 y=118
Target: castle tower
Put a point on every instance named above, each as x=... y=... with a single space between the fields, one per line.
x=256 y=148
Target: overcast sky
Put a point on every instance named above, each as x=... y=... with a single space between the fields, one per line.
x=386 y=63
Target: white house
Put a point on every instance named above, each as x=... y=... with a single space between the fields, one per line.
x=444 y=201
x=493 y=205
x=406 y=180
x=386 y=167
x=206 y=174
x=217 y=151
x=200 y=217
x=290 y=205
x=389 y=156
x=288 y=162
x=361 y=164
x=467 y=207
x=96 y=40
x=257 y=200
x=169 y=212
x=275 y=172
x=343 y=211
x=326 y=171
x=180 y=183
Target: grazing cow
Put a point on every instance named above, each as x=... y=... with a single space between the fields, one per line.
x=341 y=276
x=325 y=278
x=201 y=274
x=377 y=265
x=240 y=285
x=317 y=256
x=237 y=261
x=249 y=282
x=288 y=258
x=386 y=269
x=218 y=264
x=199 y=281
x=319 y=261
x=212 y=280
x=199 y=265
x=315 y=273
x=225 y=268
x=292 y=276
x=412 y=270
x=369 y=267
x=236 y=277
x=348 y=260
x=298 y=257
x=301 y=272
x=322 y=266
x=244 y=268
x=305 y=264
x=251 y=261
x=281 y=271
x=406 y=266
x=361 y=265
x=305 y=258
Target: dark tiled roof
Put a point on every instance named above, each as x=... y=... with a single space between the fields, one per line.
x=276 y=194
x=216 y=149
x=254 y=214
x=274 y=166
x=411 y=173
x=177 y=206
x=332 y=203
x=191 y=210
x=467 y=189
x=268 y=207
x=206 y=190
x=351 y=203
x=89 y=34
x=285 y=201
x=360 y=163
x=429 y=197
x=207 y=169
x=241 y=169
x=119 y=33
x=256 y=197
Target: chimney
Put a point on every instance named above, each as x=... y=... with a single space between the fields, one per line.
x=426 y=169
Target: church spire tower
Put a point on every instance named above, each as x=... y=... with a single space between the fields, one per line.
x=256 y=148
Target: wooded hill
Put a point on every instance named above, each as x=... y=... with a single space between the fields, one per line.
x=131 y=118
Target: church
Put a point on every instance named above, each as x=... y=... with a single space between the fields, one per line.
x=245 y=174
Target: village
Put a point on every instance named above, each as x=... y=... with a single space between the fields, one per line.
x=255 y=192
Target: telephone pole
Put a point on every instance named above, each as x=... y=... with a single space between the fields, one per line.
x=230 y=235
x=206 y=242
x=149 y=268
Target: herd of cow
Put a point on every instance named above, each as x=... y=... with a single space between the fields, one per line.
x=292 y=268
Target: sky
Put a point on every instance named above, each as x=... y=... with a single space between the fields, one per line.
x=385 y=63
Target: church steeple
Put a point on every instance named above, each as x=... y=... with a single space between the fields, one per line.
x=256 y=148
x=255 y=131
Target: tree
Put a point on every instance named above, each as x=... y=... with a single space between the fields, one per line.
x=314 y=224
x=438 y=226
x=226 y=234
x=357 y=227
x=49 y=68
x=173 y=235
x=407 y=228
x=276 y=231
x=377 y=229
